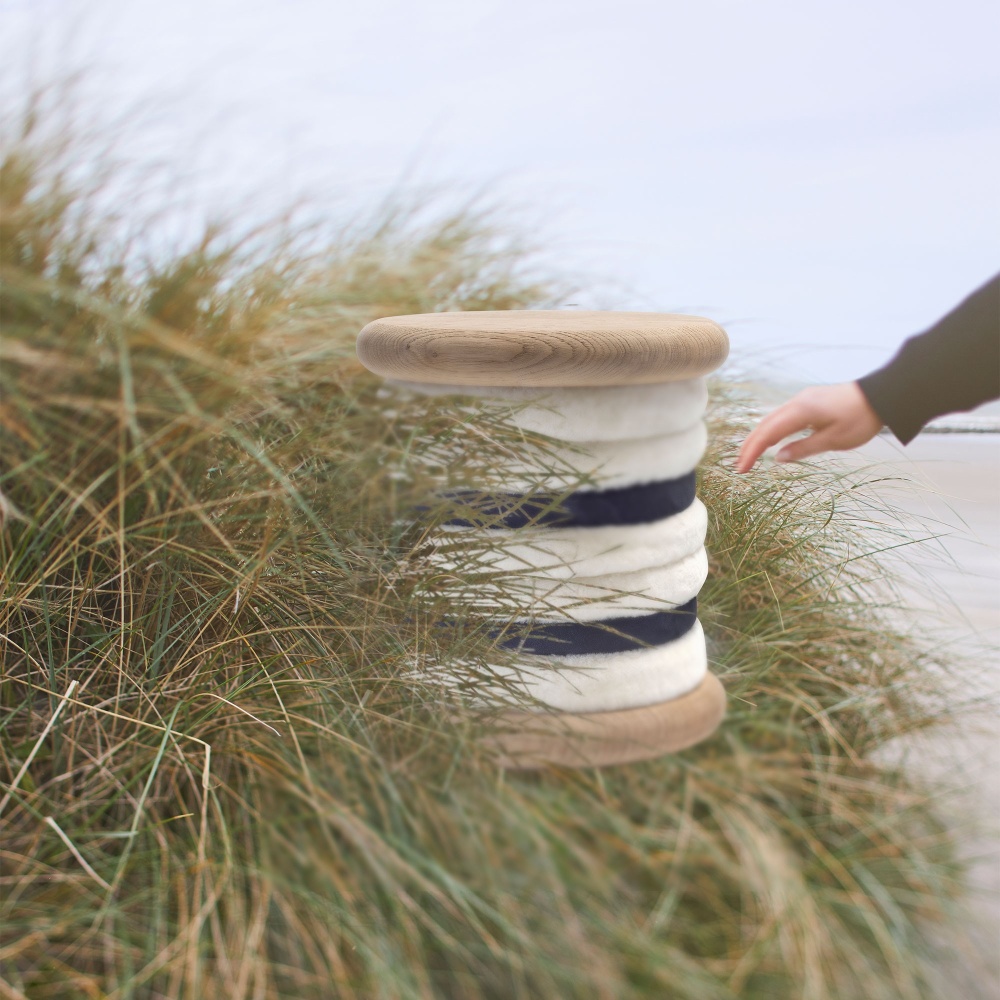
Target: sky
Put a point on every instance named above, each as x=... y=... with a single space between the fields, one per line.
x=819 y=178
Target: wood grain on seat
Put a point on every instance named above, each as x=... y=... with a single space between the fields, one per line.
x=542 y=347
x=529 y=740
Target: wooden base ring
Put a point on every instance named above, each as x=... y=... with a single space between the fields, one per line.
x=527 y=740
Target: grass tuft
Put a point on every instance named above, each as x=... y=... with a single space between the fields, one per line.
x=219 y=778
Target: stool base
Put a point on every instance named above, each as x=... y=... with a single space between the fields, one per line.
x=528 y=740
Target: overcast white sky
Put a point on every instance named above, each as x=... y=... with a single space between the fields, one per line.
x=821 y=178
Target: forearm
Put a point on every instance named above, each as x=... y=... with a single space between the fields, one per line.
x=952 y=367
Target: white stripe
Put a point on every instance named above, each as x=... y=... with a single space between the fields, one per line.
x=610 y=464
x=583 y=599
x=567 y=552
x=590 y=413
x=604 y=682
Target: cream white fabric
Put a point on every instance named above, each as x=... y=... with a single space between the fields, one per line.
x=621 y=436
x=567 y=552
x=592 y=413
x=612 y=464
x=589 y=599
x=604 y=682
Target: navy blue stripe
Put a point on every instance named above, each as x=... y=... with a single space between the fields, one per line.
x=574 y=638
x=627 y=505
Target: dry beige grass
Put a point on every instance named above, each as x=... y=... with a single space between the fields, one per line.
x=217 y=784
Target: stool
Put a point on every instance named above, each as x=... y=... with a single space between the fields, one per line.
x=610 y=650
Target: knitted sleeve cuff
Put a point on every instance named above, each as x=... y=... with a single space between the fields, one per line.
x=884 y=393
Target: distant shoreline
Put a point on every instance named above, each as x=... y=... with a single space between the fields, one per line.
x=956 y=427
x=952 y=430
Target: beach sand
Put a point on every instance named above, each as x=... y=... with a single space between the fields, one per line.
x=948 y=485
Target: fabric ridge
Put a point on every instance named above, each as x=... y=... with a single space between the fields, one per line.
x=590 y=599
x=604 y=682
x=568 y=552
x=601 y=413
x=609 y=464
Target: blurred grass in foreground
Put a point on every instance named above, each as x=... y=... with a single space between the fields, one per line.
x=216 y=782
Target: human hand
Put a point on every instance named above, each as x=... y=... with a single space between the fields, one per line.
x=839 y=416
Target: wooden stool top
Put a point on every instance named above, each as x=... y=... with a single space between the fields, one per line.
x=557 y=347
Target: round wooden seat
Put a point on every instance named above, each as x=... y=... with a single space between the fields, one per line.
x=558 y=347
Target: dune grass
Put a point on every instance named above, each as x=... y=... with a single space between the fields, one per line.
x=218 y=780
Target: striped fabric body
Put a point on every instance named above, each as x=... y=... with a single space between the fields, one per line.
x=601 y=587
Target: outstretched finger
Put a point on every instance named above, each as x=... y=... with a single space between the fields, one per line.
x=788 y=419
x=806 y=447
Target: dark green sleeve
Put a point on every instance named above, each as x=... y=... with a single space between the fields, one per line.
x=951 y=368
